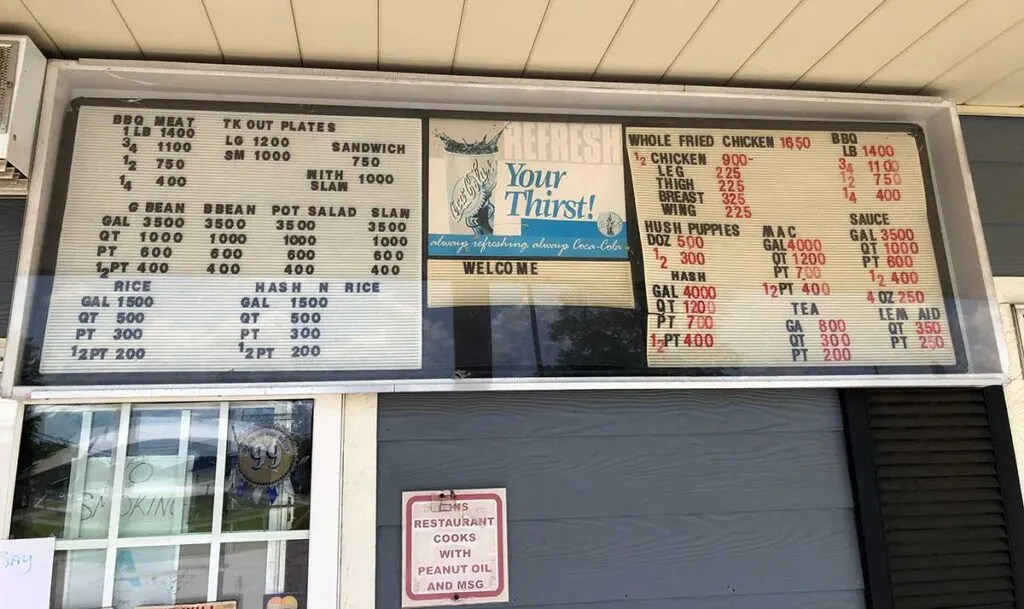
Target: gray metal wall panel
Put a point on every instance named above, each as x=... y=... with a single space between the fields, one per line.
x=993 y=138
x=1004 y=249
x=720 y=499
x=813 y=600
x=995 y=150
x=737 y=473
x=11 y=216
x=1001 y=186
x=605 y=413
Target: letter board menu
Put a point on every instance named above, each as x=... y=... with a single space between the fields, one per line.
x=229 y=242
x=787 y=248
x=196 y=240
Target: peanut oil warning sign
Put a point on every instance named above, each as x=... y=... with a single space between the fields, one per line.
x=454 y=549
x=527 y=213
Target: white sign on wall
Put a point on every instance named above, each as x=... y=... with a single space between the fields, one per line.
x=26 y=566
x=527 y=213
x=825 y=234
x=200 y=240
x=455 y=547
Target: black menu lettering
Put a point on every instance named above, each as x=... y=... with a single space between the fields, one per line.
x=221 y=241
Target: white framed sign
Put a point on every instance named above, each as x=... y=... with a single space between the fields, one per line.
x=197 y=240
x=527 y=213
x=455 y=547
x=789 y=245
x=26 y=568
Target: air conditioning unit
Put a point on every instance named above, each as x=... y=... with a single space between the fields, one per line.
x=22 y=68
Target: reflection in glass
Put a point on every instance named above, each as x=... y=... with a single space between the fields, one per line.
x=587 y=337
x=169 y=472
x=531 y=341
x=65 y=473
x=250 y=570
x=77 y=579
x=268 y=467
x=168 y=483
x=163 y=575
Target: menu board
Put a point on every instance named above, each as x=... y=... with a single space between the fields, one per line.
x=527 y=213
x=198 y=240
x=204 y=242
x=771 y=247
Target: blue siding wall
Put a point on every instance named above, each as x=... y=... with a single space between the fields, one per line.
x=639 y=500
x=995 y=150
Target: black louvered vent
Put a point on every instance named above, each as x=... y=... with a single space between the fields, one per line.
x=943 y=514
x=11 y=215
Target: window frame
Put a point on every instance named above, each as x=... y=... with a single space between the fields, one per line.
x=1010 y=293
x=343 y=465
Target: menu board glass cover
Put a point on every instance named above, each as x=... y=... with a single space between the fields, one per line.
x=192 y=242
x=525 y=212
x=197 y=240
x=767 y=247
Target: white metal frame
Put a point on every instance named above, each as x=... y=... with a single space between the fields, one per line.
x=16 y=144
x=67 y=80
x=969 y=110
x=12 y=415
x=1011 y=306
x=343 y=488
x=358 y=579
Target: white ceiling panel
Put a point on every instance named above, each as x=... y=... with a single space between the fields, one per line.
x=651 y=36
x=1007 y=92
x=250 y=30
x=574 y=36
x=730 y=34
x=880 y=37
x=804 y=37
x=333 y=33
x=87 y=26
x=15 y=19
x=988 y=65
x=496 y=37
x=948 y=43
x=970 y=50
x=419 y=34
x=167 y=30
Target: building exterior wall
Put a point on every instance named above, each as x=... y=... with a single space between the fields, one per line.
x=721 y=499
x=636 y=499
x=995 y=150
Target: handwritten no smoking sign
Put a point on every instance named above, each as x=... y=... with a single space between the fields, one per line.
x=455 y=547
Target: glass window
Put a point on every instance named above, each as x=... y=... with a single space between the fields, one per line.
x=64 y=473
x=161 y=575
x=213 y=500
x=77 y=579
x=268 y=468
x=277 y=565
